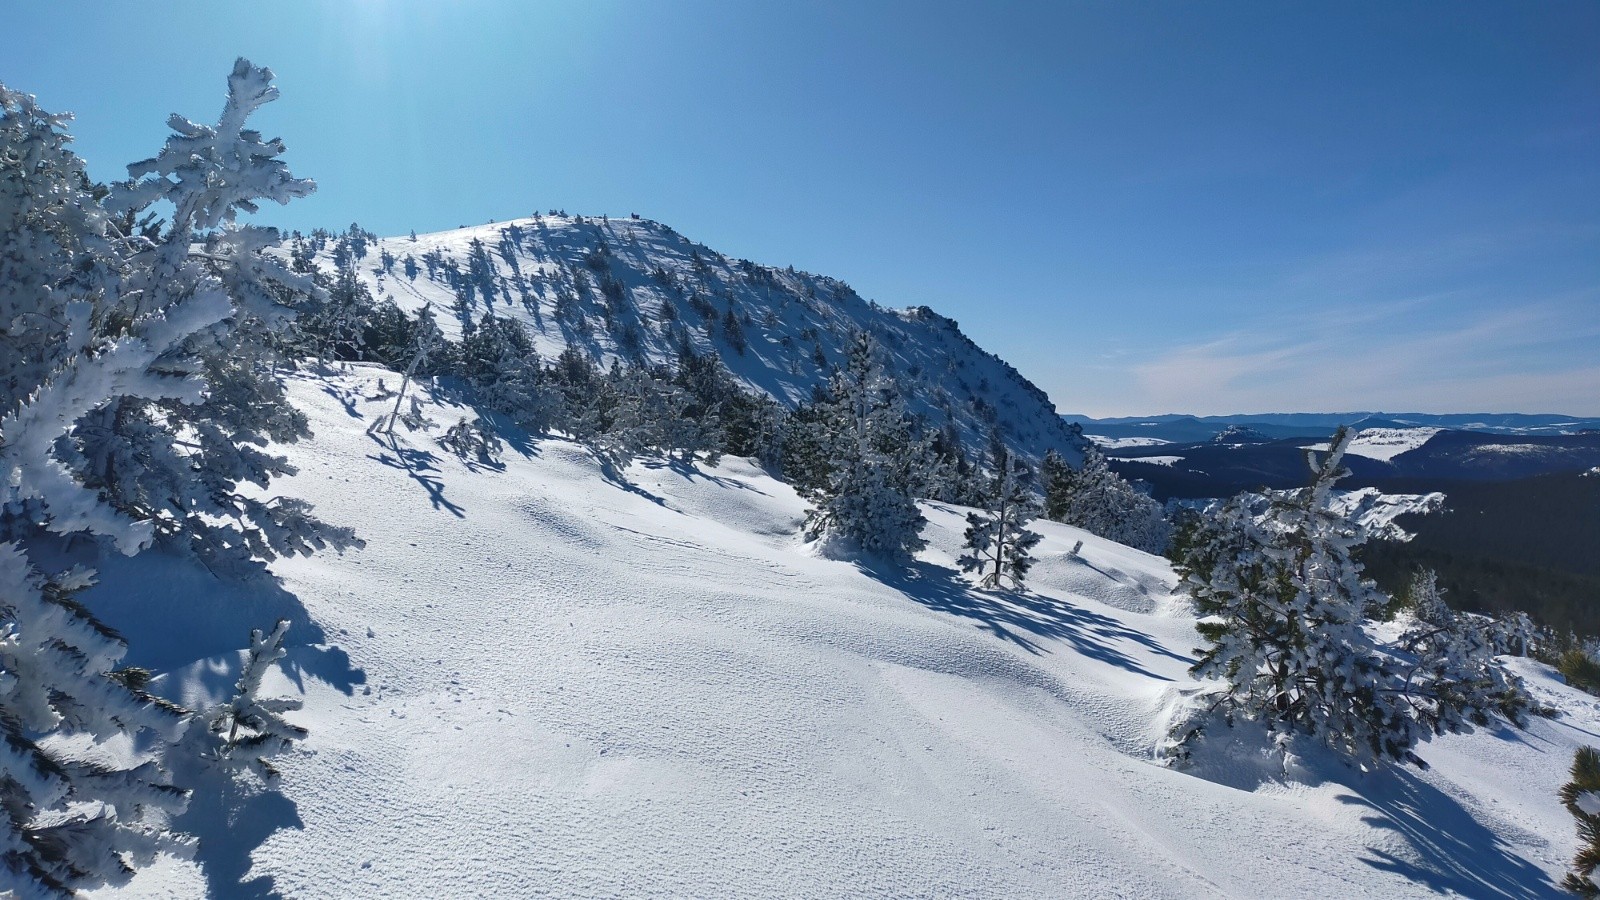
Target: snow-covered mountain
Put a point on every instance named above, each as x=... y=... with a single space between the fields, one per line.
x=538 y=681
x=589 y=669
x=634 y=289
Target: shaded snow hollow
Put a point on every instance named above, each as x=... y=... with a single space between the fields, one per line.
x=535 y=681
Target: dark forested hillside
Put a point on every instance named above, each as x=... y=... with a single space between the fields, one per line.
x=1531 y=544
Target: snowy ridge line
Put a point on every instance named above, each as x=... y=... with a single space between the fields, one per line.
x=634 y=289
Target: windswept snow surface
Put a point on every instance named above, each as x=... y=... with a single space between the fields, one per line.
x=562 y=685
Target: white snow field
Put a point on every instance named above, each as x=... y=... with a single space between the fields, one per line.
x=538 y=682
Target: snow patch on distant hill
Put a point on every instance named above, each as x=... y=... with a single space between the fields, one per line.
x=1378 y=511
x=1119 y=443
x=1384 y=443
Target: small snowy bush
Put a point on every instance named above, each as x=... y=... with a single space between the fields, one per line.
x=475 y=439
x=241 y=734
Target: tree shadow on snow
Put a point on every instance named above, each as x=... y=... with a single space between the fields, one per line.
x=618 y=478
x=347 y=397
x=179 y=619
x=1441 y=845
x=171 y=611
x=421 y=466
x=1455 y=853
x=690 y=471
x=233 y=818
x=1021 y=617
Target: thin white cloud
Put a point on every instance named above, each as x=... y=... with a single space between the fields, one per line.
x=1364 y=359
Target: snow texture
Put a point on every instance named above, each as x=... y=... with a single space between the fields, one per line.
x=535 y=681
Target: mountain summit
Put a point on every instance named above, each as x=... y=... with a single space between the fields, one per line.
x=636 y=290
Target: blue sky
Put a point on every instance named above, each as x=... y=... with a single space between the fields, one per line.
x=1146 y=207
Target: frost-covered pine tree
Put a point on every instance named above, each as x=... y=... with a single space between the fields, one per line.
x=334 y=326
x=1514 y=634
x=140 y=362
x=137 y=390
x=1280 y=599
x=474 y=439
x=650 y=412
x=1056 y=478
x=501 y=364
x=868 y=501
x=425 y=339
x=1454 y=682
x=74 y=816
x=951 y=477
x=998 y=539
x=811 y=448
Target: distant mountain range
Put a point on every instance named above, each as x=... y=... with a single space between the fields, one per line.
x=1520 y=523
x=1425 y=458
x=1181 y=428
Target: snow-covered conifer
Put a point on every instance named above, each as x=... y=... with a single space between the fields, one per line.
x=425 y=339
x=1099 y=501
x=1514 y=634
x=1454 y=681
x=1056 y=477
x=336 y=328
x=951 y=476
x=650 y=411
x=1280 y=598
x=583 y=395
x=998 y=539
x=754 y=425
x=501 y=364
x=71 y=818
x=868 y=499
x=475 y=439
x=811 y=448
x=140 y=389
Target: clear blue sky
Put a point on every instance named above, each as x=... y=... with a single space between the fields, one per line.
x=1146 y=207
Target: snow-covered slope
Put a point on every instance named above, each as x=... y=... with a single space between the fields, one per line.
x=535 y=681
x=636 y=289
